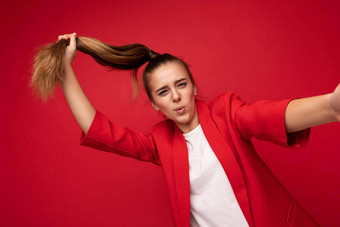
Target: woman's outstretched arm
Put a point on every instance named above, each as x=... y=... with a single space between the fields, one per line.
x=308 y=112
x=80 y=105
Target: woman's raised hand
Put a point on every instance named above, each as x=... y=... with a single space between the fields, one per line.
x=335 y=102
x=71 y=50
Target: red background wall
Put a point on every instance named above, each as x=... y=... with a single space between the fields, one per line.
x=259 y=49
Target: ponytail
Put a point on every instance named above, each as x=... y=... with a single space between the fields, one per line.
x=48 y=69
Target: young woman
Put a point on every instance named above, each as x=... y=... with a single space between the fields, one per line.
x=213 y=174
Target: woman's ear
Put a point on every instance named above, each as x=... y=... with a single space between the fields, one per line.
x=195 y=90
x=154 y=106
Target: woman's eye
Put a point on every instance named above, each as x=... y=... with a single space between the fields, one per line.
x=162 y=93
x=182 y=84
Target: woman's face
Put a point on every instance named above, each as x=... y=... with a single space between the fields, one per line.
x=174 y=94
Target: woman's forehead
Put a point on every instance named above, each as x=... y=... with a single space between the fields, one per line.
x=167 y=73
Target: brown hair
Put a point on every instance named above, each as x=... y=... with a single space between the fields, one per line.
x=48 y=63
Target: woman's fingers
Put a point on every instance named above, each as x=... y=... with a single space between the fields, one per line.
x=73 y=40
x=62 y=37
x=67 y=36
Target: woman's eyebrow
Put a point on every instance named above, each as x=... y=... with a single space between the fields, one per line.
x=180 y=80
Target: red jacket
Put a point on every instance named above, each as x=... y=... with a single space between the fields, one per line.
x=228 y=125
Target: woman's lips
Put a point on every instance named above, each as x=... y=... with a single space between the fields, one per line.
x=180 y=110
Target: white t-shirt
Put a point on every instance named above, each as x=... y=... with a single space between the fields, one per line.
x=212 y=200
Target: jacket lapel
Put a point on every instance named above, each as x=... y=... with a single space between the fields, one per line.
x=226 y=157
x=181 y=171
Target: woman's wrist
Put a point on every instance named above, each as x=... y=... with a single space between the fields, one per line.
x=67 y=64
x=68 y=72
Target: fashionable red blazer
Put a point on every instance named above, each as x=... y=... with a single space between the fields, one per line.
x=228 y=124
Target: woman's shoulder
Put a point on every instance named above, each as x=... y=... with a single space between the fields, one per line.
x=229 y=98
x=226 y=96
x=166 y=124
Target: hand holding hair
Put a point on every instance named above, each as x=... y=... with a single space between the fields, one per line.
x=71 y=49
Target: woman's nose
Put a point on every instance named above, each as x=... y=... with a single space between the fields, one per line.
x=176 y=97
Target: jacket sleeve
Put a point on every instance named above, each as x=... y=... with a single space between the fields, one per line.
x=265 y=120
x=107 y=136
